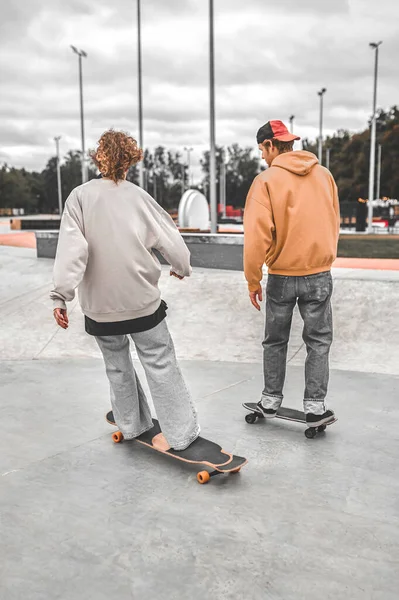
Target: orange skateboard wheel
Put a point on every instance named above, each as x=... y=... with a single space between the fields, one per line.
x=235 y=471
x=203 y=477
x=117 y=437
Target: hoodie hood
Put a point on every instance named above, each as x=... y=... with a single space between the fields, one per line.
x=299 y=162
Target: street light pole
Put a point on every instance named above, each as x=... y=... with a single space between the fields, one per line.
x=292 y=117
x=328 y=158
x=57 y=147
x=320 y=152
x=375 y=47
x=212 y=154
x=140 y=92
x=379 y=172
x=188 y=150
x=223 y=187
x=81 y=54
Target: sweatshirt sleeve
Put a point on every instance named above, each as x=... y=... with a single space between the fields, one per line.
x=172 y=247
x=72 y=254
x=336 y=207
x=258 y=232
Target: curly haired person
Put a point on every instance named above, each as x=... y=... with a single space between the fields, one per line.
x=108 y=231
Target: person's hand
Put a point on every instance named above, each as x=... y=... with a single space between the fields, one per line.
x=61 y=317
x=173 y=274
x=255 y=296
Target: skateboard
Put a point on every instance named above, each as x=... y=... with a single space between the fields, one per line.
x=200 y=452
x=288 y=414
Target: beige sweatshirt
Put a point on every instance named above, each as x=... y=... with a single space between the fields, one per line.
x=105 y=247
x=291 y=219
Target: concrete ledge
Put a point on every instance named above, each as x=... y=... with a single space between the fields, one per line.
x=215 y=251
x=46 y=243
x=33 y=224
x=225 y=251
x=207 y=250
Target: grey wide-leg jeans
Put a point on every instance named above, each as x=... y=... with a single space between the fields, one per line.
x=313 y=294
x=173 y=404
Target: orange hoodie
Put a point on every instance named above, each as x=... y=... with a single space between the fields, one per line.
x=291 y=219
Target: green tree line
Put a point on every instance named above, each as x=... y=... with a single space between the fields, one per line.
x=350 y=158
x=166 y=173
x=165 y=178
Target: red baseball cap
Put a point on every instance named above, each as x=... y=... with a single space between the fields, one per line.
x=275 y=130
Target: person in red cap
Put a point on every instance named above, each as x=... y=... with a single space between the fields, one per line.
x=291 y=223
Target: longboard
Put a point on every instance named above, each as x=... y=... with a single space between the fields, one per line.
x=288 y=414
x=200 y=452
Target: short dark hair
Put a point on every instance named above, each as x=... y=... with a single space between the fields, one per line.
x=281 y=146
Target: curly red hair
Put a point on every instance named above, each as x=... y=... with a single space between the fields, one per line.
x=116 y=152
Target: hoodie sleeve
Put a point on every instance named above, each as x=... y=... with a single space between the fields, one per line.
x=72 y=254
x=172 y=247
x=336 y=207
x=258 y=232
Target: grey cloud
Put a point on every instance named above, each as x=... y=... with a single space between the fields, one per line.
x=13 y=134
x=286 y=6
x=260 y=73
x=16 y=17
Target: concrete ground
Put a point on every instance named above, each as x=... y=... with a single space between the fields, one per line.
x=82 y=518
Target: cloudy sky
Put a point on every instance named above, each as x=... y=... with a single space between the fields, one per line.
x=271 y=59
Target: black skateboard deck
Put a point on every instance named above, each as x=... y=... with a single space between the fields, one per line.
x=200 y=452
x=287 y=414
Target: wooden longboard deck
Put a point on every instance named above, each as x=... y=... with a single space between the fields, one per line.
x=288 y=414
x=200 y=452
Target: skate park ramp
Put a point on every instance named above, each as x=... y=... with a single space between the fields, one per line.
x=85 y=518
x=210 y=318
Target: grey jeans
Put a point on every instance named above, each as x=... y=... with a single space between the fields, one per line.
x=313 y=294
x=172 y=401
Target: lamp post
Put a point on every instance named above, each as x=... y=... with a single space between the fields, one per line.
x=81 y=54
x=328 y=150
x=292 y=117
x=212 y=154
x=223 y=186
x=379 y=172
x=188 y=150
x=320 y=152
x=375 y=47
x=57 y=148
x=140 y=92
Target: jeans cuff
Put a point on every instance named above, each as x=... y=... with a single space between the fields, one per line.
x=186 y=443
x=131 y=436
x=315 y=406
x=271 y=402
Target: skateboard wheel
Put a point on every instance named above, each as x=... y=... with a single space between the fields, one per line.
x=321 y=428
x=117 y=437
x=310 y=433
x=203 y=477
x=235 y=471
x=251 y=418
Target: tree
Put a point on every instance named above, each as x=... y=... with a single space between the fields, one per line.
x=350 y=158
x=165 y=172
x=16 y=189
x=49 y=179
x=241 y=169
x=133 y=174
